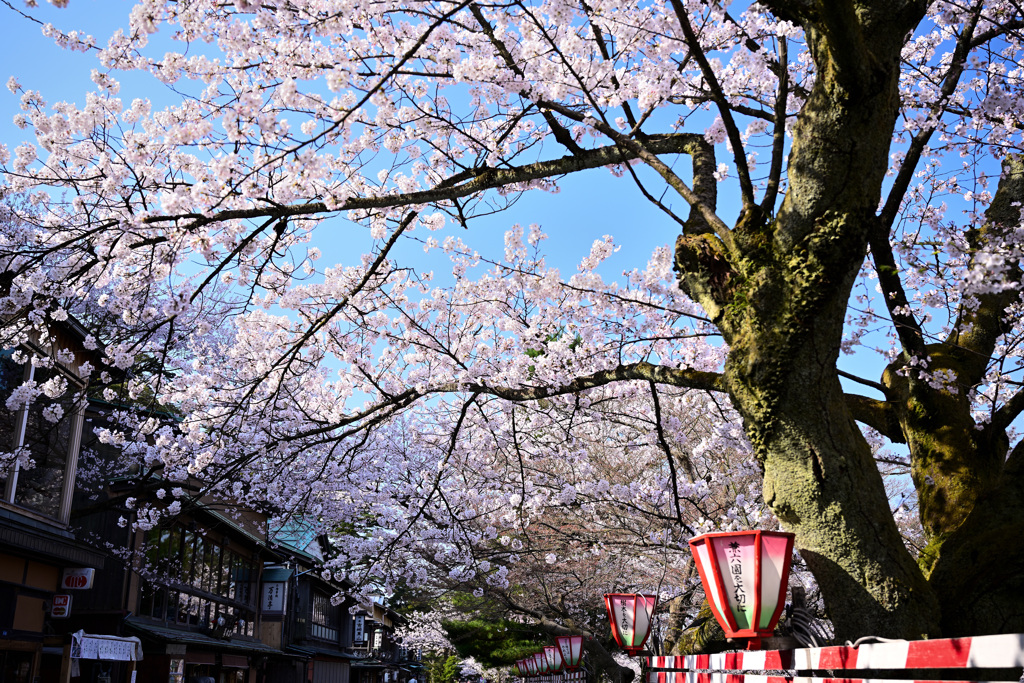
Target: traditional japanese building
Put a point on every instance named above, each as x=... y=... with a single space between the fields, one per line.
x=45 y=567
x=87 y=595
x=188 y=588
x=312 y=616
x=302 y=612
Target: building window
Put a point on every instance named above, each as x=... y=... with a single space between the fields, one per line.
x=192 y=580
x=325 y=620
x=39 y=444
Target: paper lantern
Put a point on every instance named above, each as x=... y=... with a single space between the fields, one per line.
x=531 y=665
x=571 y=649
x=542 y=662
x=745 y=575
x=554 y=658
x=630 y=615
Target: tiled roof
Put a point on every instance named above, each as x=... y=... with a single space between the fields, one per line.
x=148 y=629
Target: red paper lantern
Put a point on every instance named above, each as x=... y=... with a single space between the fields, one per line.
x=542 y=662
x=745 y=575
x=531 y=665
x=554 y=658
x=571 y=649
x=630 y=615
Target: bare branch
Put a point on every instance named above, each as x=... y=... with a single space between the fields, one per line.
x=742 y=170
x=771 y=192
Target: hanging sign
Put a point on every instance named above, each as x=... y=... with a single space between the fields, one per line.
x=273 y=597
x=110 y=648
x=60 y=608
x=77 y=579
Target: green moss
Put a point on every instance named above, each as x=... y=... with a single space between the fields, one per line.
x=929 y=555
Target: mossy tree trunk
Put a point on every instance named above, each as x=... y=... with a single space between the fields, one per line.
x=969 y=487
x=778 y=286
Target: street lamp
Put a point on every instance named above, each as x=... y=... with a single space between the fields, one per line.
x=630 y=615
x=571 y=649
x=745 y=575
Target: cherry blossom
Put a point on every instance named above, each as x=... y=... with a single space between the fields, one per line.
x=849 y=183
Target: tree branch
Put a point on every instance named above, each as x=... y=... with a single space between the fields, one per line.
x=644 y=152
x=879 y=415
x=861 y=380
x=642 y=371
x=677 y=377
x=920 y=141
x=557 y=129
x=460 y=185
x=978 y=328
x=742 y=170
x=1008 y=412
x=907 y=328
x=663 y=442
x=779 y=134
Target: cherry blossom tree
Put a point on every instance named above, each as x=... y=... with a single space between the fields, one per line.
x=867 y=158
x=558 y=554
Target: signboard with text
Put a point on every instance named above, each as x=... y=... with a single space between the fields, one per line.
x=110 y=648
x=273 y=598
x=77 y=579
x=60 y=608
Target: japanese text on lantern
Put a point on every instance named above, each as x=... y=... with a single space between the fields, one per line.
x=736 y=572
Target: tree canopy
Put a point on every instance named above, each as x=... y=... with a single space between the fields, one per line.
x=835 y=177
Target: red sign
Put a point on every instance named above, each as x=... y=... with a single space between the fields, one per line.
x=77 y=579
x=61 y=606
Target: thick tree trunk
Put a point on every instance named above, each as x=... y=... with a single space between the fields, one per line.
x=602 y=666
x=979 y=573
x=821 y=480
x=971 y=495
x=778 y=290
x=703 y=636
x=820 y=477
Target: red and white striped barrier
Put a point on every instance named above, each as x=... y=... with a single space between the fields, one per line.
x=982 y=652
x=709 y=677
